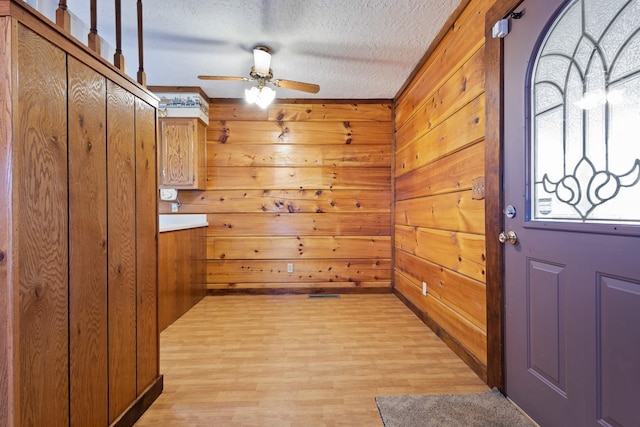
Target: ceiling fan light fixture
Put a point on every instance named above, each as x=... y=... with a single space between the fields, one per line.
x=262 y=96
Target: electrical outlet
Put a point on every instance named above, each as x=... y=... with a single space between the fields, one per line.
x=290 y=267
x=174 y=207
x=424 y=288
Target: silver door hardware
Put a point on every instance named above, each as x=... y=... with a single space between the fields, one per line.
x=508 y=237
x=510 y=211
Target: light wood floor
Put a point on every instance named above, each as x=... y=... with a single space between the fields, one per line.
x=291 y=360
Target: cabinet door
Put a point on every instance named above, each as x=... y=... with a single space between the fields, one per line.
x=178 y=137
x=182 y=153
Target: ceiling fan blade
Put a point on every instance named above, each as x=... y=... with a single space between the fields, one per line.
x=290 y=84
x=238 y=79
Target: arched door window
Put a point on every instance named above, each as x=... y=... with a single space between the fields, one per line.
x=585 y=115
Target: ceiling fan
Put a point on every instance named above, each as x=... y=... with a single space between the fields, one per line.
x=262 y=74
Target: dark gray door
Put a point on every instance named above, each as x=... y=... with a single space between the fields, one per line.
x=572 y=176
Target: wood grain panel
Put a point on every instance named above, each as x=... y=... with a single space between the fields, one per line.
x=465 y=127
x=474 y=339
x=285 y=201
x=380 y=112
x=304 y=247
x=291 y=132
x=460 y=252
x=171 y=263
x=40 y=192
x=146 y=245
x=177 y=156
x=182 y=275
x=452 y=211
x=463 y=40
x=8 y=391
x=122 y=248
x=87 y=246
x=277 y=178
x=461 y=293
x=327 y=224
x=466 y=84
x=287 y=155
x=309 y=271
x=452 y=173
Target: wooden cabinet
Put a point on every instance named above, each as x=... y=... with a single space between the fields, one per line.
x=78 y=230
x=181 y=273
x=183 y=153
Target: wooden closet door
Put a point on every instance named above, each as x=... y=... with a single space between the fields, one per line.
x=87 y=246
x=121 y=222
x=40 y=227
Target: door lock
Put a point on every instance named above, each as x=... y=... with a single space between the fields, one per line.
x=508 y=237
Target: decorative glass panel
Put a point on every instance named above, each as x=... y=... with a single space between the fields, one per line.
x=585 y=115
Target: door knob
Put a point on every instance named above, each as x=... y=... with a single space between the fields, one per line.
x=509 y=236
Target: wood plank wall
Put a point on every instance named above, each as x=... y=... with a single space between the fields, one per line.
x=439 y=227
x=301 y=184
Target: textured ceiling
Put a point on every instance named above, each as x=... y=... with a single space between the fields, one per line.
x=354 y=49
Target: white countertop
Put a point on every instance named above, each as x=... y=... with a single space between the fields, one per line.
x=181 y=222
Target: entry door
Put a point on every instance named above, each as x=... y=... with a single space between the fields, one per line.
x=572 y=201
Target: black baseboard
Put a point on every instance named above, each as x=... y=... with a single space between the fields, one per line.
x=472 y=361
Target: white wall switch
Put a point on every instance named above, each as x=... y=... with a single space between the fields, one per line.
x=424 y=288
x=290 y=267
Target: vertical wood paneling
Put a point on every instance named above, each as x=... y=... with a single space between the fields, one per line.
x=181 y=277
x=168 y=273
x=146 y=254
x=122 y=248
x=320 y=170
x=41 y=160
x=55 y=338
x=440 y=151
x=41 y=222
x=87 y=246
x=7 y=380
